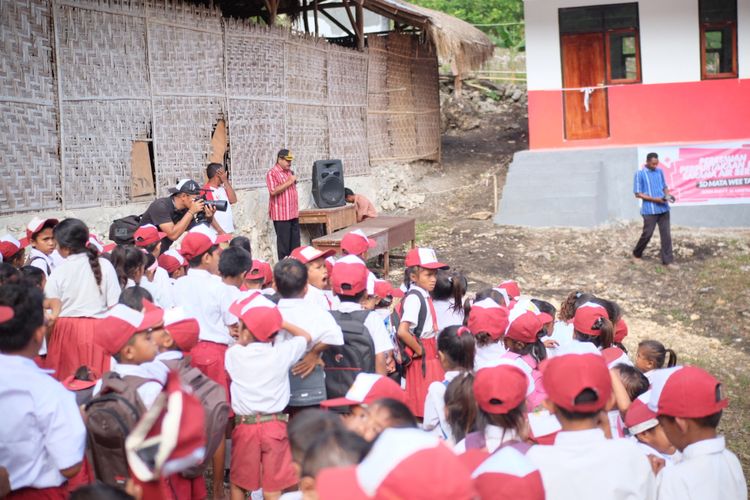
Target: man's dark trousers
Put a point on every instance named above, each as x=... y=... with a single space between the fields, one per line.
x=287 y=236
x=649 y=223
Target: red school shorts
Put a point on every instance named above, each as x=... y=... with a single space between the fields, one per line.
x=261 y=457
x=208 y=357
x=55 y=493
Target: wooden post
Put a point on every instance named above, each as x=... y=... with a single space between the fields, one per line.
x=360 y=26
x=457 y=82
x=272 y=6
x=315 y=16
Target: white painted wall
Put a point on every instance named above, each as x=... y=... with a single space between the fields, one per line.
x=669 y=33
x=373 y=23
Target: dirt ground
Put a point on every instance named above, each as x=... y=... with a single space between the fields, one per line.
x=702 y=310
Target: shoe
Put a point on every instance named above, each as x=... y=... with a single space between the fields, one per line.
x=672 y=267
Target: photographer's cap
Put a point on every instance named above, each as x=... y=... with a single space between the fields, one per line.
x=566 y=377
x=187 y=186
x=285 y=154
x=586 y=318
x=686 y=392
x=147 y=235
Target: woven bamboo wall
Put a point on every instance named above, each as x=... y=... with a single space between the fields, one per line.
x=83 y=79
x=403 y=114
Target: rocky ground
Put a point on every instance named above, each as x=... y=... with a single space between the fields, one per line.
x=701 y=310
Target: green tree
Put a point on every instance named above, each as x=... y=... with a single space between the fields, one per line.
x=486 y=12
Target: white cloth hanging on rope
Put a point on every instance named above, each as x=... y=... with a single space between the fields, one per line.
x=587 y=91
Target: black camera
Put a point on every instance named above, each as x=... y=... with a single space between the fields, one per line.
x=220 y=205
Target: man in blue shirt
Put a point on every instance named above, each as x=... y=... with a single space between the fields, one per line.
x=649 y=186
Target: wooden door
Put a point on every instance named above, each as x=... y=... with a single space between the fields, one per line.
x=583 y=64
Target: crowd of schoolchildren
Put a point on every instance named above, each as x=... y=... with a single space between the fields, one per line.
x=123 y=368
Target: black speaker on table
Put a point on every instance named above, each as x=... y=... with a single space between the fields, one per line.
x=328 y=184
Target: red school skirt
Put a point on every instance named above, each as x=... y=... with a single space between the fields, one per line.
x=54 y=493
x=72 y=345
x=417 y=383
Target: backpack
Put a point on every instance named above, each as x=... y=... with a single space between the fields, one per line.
x=344 y=362
x=46 y=264
x=403 y=358
x=109 y=417
x=213 y=398
x=308 y=391
x=121 y=231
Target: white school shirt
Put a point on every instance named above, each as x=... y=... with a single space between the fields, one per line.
x=707 y=471
x=647 y=450
x=43 y=261
x=224 y=219
x=434 y=408
x=445 y=314
x=207 y=299
x=380 y=337
x=318 y=297
x=74 y=284
x=562 y=332
x=260 y=374
x=494 y=436
x=317 y=322
x=411 y=313
x=489 y=355
x=148 y=391
x=41 y=429
x=160 y=288
x=585 y=465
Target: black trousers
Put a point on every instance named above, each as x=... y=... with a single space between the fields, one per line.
x=287 y=236
x=649 y=223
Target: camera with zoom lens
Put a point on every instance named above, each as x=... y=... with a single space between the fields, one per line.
x=220 y=205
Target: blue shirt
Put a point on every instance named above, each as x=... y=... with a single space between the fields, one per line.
x=651 y=183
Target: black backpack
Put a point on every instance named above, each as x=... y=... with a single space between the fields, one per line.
x=344 y=362
x=122 y=230
x=402 y=357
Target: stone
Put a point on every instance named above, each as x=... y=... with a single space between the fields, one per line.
x=483 y=215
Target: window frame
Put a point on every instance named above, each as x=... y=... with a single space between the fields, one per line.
x=712 y=26
x=608 y=55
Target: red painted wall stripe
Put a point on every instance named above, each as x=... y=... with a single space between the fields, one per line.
x=711 y=110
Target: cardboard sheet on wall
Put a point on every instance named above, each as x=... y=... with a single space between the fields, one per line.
x=218 y=143
x=141 y=176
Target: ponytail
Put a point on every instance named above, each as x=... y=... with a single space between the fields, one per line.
x=672 y=358
x=606 y=334
x=96 y=267
x=73 y=235
x=127 y=260
x=538 y=350
x=460 y=284
x=458 y=345
x=461 y=411
x=653 y=350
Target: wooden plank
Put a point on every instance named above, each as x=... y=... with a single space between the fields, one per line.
x=218 y=143
x=141 y=176
x=334 y=218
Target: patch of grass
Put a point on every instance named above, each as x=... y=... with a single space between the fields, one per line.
x=422 y=231
x=680 y=315
x=660 y=270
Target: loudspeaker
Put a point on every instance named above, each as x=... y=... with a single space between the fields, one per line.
x=328 y=183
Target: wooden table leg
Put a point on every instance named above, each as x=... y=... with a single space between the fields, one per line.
x=413 y=243
x=387 y=263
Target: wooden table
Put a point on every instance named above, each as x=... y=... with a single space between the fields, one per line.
x=388 y=232
x=333 y=218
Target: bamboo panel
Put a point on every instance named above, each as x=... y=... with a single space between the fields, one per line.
x=185 y=61
x=307 y=136
x=378 y=138
x=306 y=70
x=348 y=138
x=30 y=168
x=98 y=139
x=102 y=54
x=183 y=127
x=347 y=77
x=26 y=48
x=254 y=68
x=258 y=134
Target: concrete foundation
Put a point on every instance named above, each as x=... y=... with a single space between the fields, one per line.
x=590 y=187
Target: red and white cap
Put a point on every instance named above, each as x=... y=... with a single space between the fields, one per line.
x=366 y=389
x=122 y=322
x=308 y=254
x=147 y=234
x=506 y=298
x=423 y=257
x=260 y=270
x=621 y=331
x=517 y=308
x=566 y=377
x=349 y=279
x=615 y=356
x=9 y=246
x=260 y=316
x=686 y=392
x=356 y=242
x=640 y=417
x=507 y=473
x=182 y=328
x=587 y=317
x=98 y=245
x=172 y=260
x=36 y=224
x=6 y=313
x=511 y=288
x=403 y=463
x=486 y=316
x=199 y=239
x=499 y=389
x=71 y=383
x=524 y=327
x=174 y=426
x=330 y=262
x=384 y=289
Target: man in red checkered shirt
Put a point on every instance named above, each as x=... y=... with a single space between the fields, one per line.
x=283 y=204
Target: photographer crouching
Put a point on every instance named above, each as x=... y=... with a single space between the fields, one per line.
x=184 y=208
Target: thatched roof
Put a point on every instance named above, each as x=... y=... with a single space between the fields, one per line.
x=457 y=41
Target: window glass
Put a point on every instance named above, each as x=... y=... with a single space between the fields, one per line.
x=620 y=16
x=581 y=20
x=622 y=54
x=712 y=11
x=718 y=50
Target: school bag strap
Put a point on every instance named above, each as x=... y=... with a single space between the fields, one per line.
x=422 y=316
x=46 y=264
x=357 y=355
